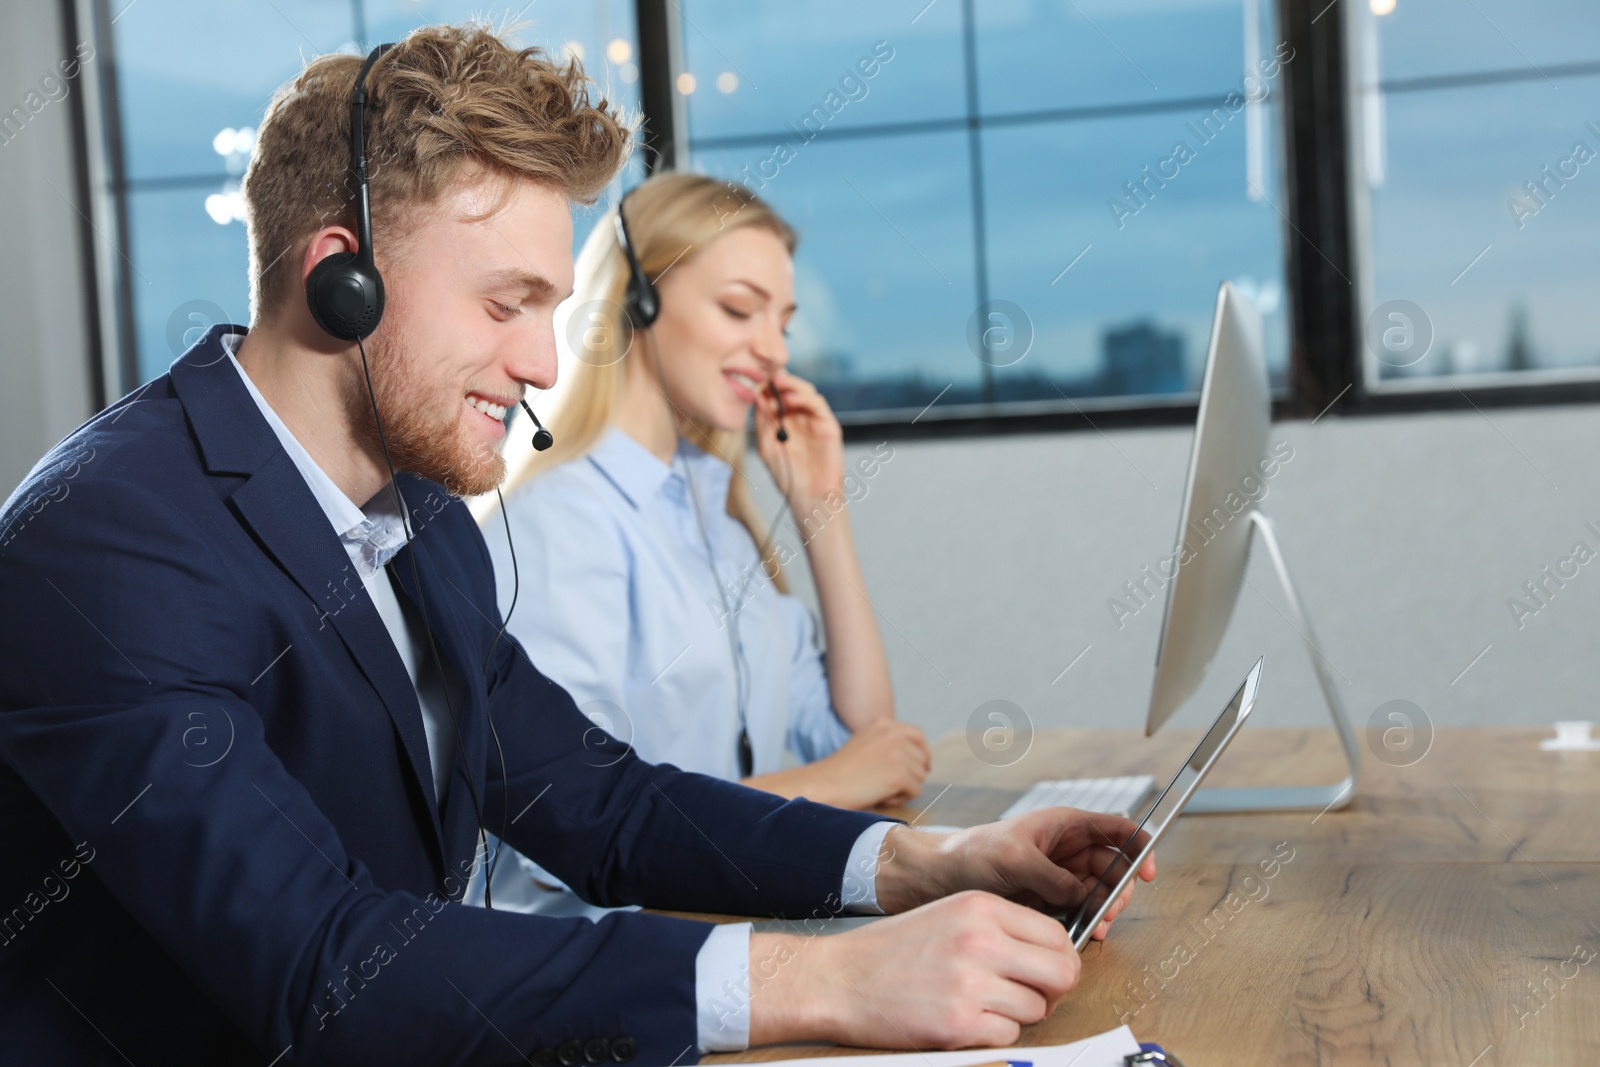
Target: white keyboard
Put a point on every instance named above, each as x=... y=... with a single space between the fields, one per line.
x=1120 y=796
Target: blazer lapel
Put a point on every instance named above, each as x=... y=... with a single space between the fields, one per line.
x=279 y=508
x=445 y=609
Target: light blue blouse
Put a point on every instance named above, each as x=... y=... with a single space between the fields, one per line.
x=618 y=604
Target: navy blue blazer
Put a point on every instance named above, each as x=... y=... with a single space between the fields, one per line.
x=219 y=841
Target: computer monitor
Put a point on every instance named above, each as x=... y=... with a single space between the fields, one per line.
x=1213 y=543
x=1229 y=463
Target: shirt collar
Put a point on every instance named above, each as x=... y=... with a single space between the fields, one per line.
x=372 y=534
x=639 y=474
x=631 y=467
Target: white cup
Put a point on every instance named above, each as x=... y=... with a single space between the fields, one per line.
x=1572 y=735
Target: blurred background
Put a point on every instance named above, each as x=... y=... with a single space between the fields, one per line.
x=1014 y=217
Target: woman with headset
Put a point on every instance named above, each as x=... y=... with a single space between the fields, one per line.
x=663 y=605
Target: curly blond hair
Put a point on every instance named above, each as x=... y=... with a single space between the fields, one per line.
x=444 y=98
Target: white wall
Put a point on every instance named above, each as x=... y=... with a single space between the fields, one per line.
x=45 y=382
x=991 y=561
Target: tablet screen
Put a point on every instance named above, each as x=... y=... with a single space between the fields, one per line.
x=1123 y=863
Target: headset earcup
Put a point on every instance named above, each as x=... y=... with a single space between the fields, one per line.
x=345 y=297
x=649 y=303
x=644 y=303
x=644 y=306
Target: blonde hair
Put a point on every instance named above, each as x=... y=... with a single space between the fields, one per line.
x=670 y=216
x=444 y=97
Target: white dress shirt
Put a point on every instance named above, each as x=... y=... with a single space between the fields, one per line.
x=371 y=535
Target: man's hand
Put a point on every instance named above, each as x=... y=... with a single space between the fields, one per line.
x=971 y=969
x=960 y=968
x=1045 y=859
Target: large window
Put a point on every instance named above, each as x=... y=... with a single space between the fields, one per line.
x=1479 y=159
x=192 y=81
x=1002 y=206
x=1007 y=208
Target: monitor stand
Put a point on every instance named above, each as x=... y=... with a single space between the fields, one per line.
x=1319 y=798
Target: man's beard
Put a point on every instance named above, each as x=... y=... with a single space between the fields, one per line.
x=424 y=432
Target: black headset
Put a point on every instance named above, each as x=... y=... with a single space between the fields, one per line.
x=345 y=290
x=644 y=302
x=345 y=295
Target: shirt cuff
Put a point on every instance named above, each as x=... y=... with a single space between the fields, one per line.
x=859 y=892
x=722 y=989
x=722 y=966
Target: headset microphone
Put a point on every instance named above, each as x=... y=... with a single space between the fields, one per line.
x=542 y=438
x=783 y=434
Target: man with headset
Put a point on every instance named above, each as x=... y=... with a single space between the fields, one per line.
x=248 y=688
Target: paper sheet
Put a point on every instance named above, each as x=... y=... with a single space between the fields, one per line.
x=1102 y=1050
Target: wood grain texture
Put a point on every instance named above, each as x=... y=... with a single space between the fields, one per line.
x=1449 y=915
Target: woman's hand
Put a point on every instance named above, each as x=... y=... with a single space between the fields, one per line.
x=810 y=464
x=883 y=763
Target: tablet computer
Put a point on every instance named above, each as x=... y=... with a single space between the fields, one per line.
x=1081 y=921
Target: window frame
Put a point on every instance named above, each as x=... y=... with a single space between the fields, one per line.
x=1325 y=266
x=1493 y=389
x=1003 y=417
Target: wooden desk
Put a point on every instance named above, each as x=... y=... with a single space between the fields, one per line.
x=1444 y=917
